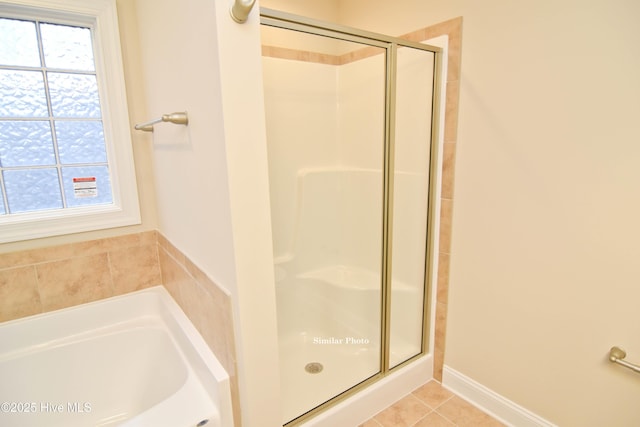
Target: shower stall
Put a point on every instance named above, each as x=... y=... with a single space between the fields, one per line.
x=351 y=129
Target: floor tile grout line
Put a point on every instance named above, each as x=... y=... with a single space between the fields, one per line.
x=453 y=424
x=371 y=419
x=436 y=406
x=420 y=401
x=432 y=409
x=422 y=418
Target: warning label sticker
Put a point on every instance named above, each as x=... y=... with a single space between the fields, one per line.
x=85 y=187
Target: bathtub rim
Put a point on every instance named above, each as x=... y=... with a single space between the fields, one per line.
x=106 y=315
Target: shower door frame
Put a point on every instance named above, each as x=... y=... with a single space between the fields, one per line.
x=287 y=21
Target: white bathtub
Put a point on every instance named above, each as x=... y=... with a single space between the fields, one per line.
x=131 y=360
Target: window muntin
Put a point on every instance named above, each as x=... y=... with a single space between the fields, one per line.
x=74 y=128
x=49 y=73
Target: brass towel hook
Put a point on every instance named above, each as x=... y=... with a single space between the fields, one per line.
x=240 y=10
x=616 y=355
x=175 y=118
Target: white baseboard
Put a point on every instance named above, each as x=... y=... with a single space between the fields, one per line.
x=491 y=402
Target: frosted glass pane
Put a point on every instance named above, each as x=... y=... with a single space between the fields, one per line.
x=67 y=47
x=32 y=189
x=18 y=43
x=22 y=94
x=81 y=142
x=2 y=211
x=26 y=143
x=74 y=95
x=81 y=193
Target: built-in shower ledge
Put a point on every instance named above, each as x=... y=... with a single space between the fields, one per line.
x=351 y=277
x=365 y=404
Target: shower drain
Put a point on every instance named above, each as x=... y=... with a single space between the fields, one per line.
x=314 y=367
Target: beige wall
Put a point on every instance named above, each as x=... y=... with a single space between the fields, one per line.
x=543 y=276
x=543 y=271
x=212 y=202
x=209 y=203
x=211 y=176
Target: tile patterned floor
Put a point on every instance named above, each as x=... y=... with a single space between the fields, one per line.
x=431 y=405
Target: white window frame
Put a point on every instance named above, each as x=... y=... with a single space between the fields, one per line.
x=101 y=17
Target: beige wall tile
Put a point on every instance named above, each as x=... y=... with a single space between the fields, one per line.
x=235 y=401
x=149 y=238
x=131 y=264
x=442 y=293
x=105 y=245
x=439 y=340
x=19 y=295
x=451 y=111
x=448 y=169
x=134 y=268
x=207 y=306
x=74 y=281
x=359 y=54
x=455 y=50
x=452 y=28
x=446 y=212
x=174 y=276
x=171 y=250
x=218 y=293
x=35 y=256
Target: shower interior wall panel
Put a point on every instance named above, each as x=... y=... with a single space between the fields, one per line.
x=304 y=145
x=325 y=126
x=299 y=136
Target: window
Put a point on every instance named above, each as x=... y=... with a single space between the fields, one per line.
x=65 y=151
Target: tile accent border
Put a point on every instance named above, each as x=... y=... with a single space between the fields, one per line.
x=320 y=58
x=491 y=402
x=453 y=30
x=207 y=305
x=40 y=280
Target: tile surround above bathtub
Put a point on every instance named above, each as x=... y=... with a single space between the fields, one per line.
x=74 y=281
x=207 y=305
x=19 y=296
x=40 y=280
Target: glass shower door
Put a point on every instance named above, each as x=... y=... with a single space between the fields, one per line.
x=325 y=105
x=411 y=181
